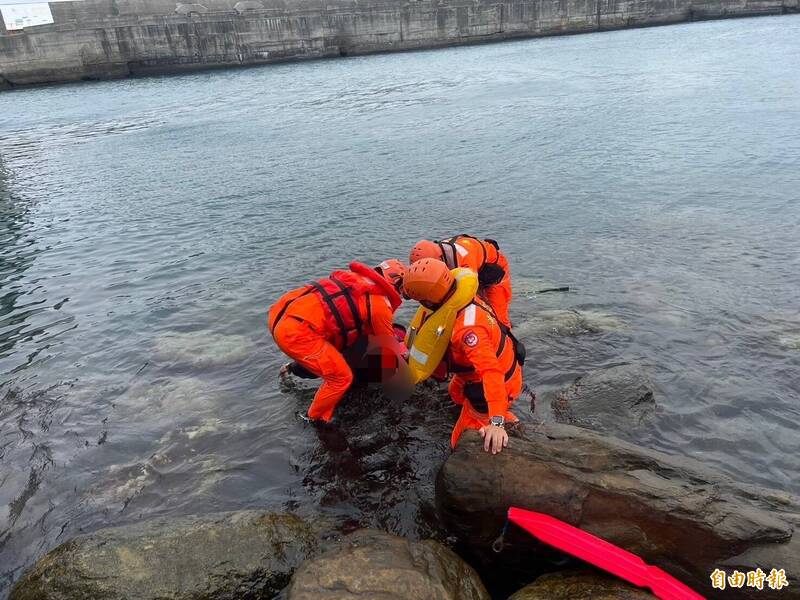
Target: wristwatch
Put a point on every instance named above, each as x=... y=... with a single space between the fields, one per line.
x=498 y=421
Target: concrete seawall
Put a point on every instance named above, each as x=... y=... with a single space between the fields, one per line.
x=104 y=39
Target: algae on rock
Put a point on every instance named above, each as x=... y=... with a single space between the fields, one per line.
x=224 y=556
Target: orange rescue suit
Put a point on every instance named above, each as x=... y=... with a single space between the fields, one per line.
x=474 y=254
x=304 y=327
x=487 y=377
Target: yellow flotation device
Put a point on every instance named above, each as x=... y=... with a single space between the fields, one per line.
x=429 y=333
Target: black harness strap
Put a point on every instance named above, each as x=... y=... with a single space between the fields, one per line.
x=457 y=368
x=483 y=249
x=463 y=369
x=350 y=302
x=286 y=306
x=510 y=373
x=502 y=345
x=507 y=333
x=329 y=300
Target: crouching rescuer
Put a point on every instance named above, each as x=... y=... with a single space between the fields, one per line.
x=317 y=323
x=460 y=328
x=481 y=256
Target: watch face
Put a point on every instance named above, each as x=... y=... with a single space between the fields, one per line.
x=497 y=420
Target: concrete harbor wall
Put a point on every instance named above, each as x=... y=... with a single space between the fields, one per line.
x=103 y=39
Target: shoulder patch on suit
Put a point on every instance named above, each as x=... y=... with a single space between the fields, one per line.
x=470 y=339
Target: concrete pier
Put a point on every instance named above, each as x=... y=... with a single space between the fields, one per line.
x=103 y=39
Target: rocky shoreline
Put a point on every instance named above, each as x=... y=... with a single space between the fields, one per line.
x=587 y=465
x=672 y=511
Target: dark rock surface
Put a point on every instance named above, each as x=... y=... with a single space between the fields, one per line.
x=618 y=400
x=671 y=511
x=224 y=556
x=377 y=565
x=575 y=585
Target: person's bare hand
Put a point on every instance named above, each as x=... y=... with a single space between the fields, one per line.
x=494 y=438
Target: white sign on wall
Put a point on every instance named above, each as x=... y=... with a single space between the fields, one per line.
x=19 y=16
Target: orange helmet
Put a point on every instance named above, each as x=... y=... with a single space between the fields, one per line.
x=392 y=271
x=424 y=249
x=428 y=280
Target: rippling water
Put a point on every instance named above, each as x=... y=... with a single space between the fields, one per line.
x=145 y=226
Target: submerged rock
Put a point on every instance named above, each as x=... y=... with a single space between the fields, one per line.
x=566 y=323
x=616 y=400
x=576 y=585
x=203 y=350
x=180 y=397
x=790 y=341
x=373 y=564
x=671 y=511
x=225 y=556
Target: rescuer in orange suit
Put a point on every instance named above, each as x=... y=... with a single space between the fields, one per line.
x=482 y=356
x=481 y=256
x=314 y=324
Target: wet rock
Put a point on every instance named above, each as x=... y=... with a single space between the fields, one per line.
x=225 y=556
x=373 y=564
x=566 y=323
x=575 y=585
x=673 y=512
x=617 y=400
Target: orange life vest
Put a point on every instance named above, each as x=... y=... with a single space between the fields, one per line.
x=340 y=294
x=485 y=257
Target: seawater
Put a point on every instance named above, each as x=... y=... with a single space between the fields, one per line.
x=147 y=224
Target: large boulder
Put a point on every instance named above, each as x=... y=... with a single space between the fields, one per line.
x=227 y=556
x=373 y=564
x=617 y=400
x=571 y=585
x=671 y=511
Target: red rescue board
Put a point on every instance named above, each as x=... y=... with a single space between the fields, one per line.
x=602 y=554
